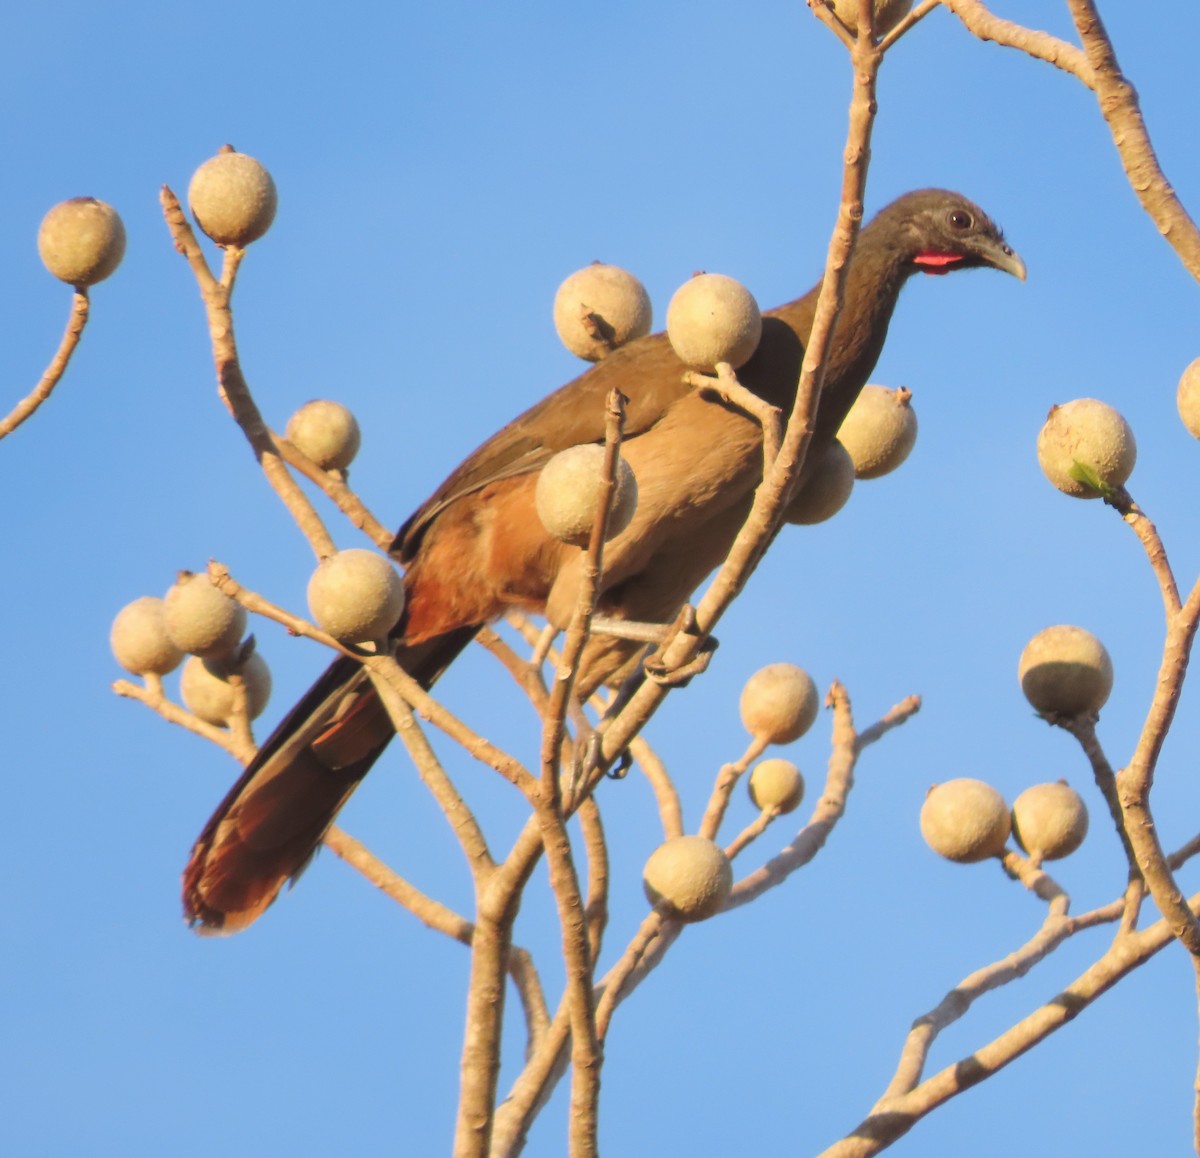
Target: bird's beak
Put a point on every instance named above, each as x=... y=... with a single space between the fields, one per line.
x=1003 y=257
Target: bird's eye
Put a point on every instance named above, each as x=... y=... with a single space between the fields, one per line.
x=960 y=219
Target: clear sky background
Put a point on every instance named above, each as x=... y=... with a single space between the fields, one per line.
x=441 y=168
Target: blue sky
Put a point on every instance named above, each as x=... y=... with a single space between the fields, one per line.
x=441 y=169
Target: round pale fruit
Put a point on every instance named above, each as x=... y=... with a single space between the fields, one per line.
x=826 y=490
x=233 y=198
x=140 y=641
x=1094 y=436
x=1065 y=671
x=1049 y=820
x=779 y=703
x=880 y=430
x=326 y=432
x=776 y=784
x=1188 y=398
x=200 y=619
x=888 y=13
x=81 y=241
x=965 y=820
x=356 y=595
x=568 y=494
x=207 y=693
x=711 y=319
x=599 y=308
x=689 y=875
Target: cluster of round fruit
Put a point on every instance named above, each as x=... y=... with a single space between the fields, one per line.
x=356 y=596
x=712 y=321
x=967 y=820
x=1065 y=673
x=150 y=637
x=690 y=877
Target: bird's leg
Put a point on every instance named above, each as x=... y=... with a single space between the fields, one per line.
x=588 y=747
x=630 y=629
x=590 y=741
x=660 y=633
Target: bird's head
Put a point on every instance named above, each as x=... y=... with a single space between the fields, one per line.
x=940 y=231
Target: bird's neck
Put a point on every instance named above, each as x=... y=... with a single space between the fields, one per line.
x=876 y=275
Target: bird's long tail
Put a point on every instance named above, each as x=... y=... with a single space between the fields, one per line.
x=272 y=821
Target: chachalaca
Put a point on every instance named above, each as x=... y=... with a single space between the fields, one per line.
x=476 y=546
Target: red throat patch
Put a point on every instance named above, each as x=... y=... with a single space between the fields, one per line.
x=936 y=263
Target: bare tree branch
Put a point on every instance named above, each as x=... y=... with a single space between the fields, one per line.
x=57 y=368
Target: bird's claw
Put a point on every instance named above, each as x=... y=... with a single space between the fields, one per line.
x=680 y=677
x=621 y=765
x=589 y=756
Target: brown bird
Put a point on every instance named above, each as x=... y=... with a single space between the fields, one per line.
x=476 y=547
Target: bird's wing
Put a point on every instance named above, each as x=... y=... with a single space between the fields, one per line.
x=647 y=372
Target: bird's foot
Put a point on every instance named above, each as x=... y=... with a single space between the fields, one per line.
x=683 y=675
x=589 y=757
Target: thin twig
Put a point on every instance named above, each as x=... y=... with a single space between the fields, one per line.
x=1118 y=102
x=918 y=13
x=725 y=385
x=1055 y=929
x=425 y=705
x=1156 y=553
x=892 y=1117
x=442 y=919
x=752 y=831
x=460 y=817
x=665 y=793
x=847 y=744
x=1135 y=782
x=564 y=881
x=58 y=365
x=723 y=787
x=337 y=491
x=1040 y=45
x=1083 y=728
x=153 y=696
x=232 y=382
